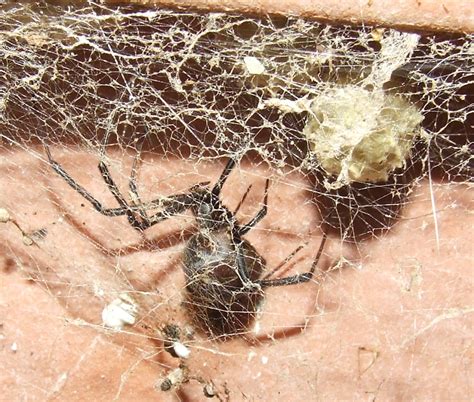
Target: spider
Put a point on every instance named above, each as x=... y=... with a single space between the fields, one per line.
x=223 y=271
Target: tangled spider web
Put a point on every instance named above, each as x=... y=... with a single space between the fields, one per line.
x=348 y=123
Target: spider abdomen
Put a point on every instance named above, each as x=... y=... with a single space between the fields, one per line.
x=220 y=302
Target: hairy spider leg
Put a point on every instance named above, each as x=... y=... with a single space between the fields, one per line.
x=81 y=190
x=295 y=279
x=260 y=214
x=238 y=231
x=105 y=172
x=284 y=262
x=224 y=175
x=242 y=199
x=173 y=205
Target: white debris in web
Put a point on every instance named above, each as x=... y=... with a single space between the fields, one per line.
x=181 y=350
x=287 y=105
x=254 y=66
x=120 y=312
x=396 y=50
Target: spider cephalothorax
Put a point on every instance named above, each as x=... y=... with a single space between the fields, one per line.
x=223 y=270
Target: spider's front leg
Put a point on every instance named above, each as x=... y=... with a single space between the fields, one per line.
x=131 y=213
x=260 y=214
x=173 y=205
x=82 y=191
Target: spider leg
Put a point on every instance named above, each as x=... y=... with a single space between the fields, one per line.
x=238 y=231
x=133 y=187
x=172 y=206
x=284 y=262
x=82 y=191
x=242 y=200
x=225 y=174
x=104 y=170
x=300 y=278
x=241 y=265
x=260 y=214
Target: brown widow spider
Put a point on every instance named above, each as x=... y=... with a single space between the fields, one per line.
x=223 y=271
